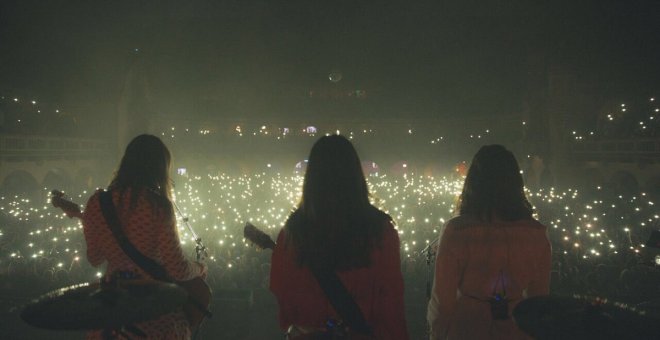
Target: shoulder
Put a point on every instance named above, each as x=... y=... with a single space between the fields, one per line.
x=292 y=224
x=93 y=202
x=95 y=197
x=281 y=237
x=462 y=222
x=390 y=235
x=378 y=214
x=152 y=201
x=379 y=219
x=536 y=224
x=92 y=209
x=294 y=218
x=381 y=226
x=531 y=224
x=155 y=197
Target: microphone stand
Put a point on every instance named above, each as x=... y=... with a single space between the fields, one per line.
x=200 y=249
x=429 y=253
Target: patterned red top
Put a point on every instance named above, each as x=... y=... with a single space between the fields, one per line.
x=155 y=236
x=378 y=289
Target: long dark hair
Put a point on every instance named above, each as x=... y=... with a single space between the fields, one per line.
x=145 y=167
x=334 y=225
x=494 y=187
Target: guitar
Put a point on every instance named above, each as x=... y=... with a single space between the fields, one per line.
x=199 y=292
x=69 y=208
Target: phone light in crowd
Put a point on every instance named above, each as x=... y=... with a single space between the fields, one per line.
x=181 y=171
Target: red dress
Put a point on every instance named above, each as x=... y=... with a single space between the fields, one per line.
x=473 y=259
x=378 y=289
x=155 y=236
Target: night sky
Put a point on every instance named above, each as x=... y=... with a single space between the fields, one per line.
x=413 y=59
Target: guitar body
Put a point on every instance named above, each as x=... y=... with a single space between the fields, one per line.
x=199 y=301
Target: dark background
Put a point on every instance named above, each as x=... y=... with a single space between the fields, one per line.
x=254 y=59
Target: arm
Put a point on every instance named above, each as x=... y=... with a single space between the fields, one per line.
x=90 y=220
x=172 y=258
x=389 y=311
x=541 y=285
x=442 y=304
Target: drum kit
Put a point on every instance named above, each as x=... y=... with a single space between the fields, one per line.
x=578 y=317
x=584 y=317
x=90 y=306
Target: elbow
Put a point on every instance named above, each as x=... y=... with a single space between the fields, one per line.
x=94 y=257
x=95 y=261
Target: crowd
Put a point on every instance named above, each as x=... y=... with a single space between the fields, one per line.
x=598 y=238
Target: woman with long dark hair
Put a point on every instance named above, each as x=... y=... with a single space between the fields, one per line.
x=336 y=229
x=492 y=255
x=141 y=195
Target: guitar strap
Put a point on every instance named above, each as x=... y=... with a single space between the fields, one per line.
x=341 y=300
x=147 y=264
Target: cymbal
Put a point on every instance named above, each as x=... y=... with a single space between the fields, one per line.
x=87 y=306
x=551 y=317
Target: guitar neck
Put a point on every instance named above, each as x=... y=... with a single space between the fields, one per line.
x=258 y=237
x=70 y=209
x=75 y=214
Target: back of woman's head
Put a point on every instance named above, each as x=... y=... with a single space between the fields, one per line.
x=145 y=164
x=334 y=225
x=494 y=187
x=334 y=182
